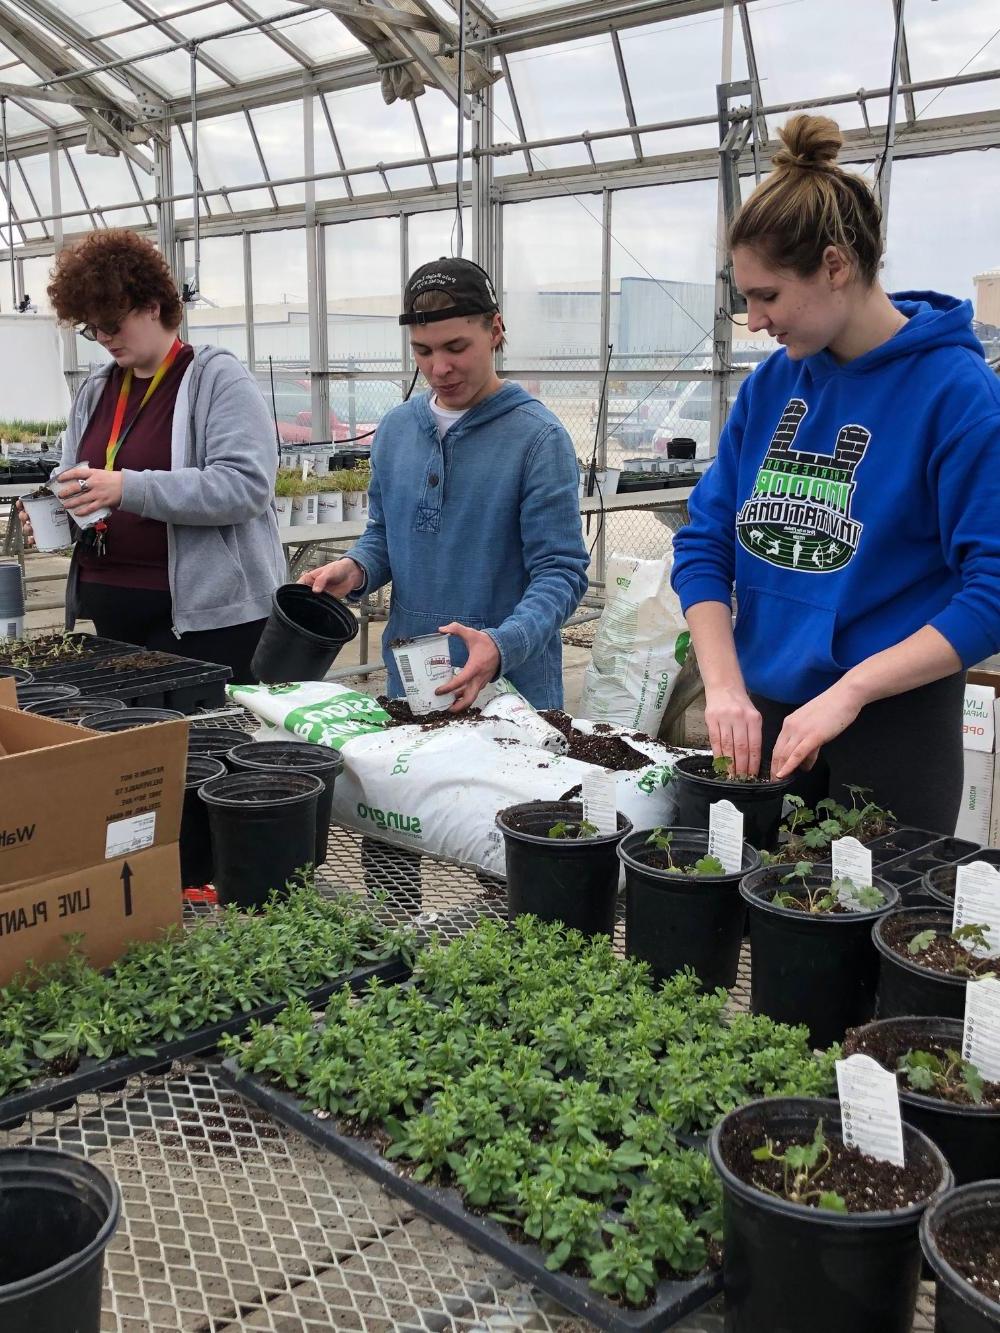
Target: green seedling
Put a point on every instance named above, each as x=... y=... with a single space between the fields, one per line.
x=705 y=865
x=562 y=829
x=802 y=1166
x=824 y=898
x=971 y=936
x=927 y=1072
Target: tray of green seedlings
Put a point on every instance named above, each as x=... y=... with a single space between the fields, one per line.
x=528 y=1088
x=68 y=1028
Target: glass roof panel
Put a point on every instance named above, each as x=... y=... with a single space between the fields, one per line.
x=248 y=55
x=280 y=134
x=438 y=117
x=432 y=235
x=567 y=88
x=321 y=37
x=36 y=168
x=226 y=155
x=21 y=121
x=509 y=9
x=944 y=39
x=106 y=181
x=409 y=178
x=369 y=131
x=325 y=159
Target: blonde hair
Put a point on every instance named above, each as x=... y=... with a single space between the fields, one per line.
x=438 y=300
x=808 y=203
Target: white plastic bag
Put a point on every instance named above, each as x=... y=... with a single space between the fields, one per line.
x=640 y=646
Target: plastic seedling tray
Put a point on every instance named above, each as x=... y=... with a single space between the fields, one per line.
x=93 y=1075
x=673 y=1300
x=900 y=842
x=177 y=682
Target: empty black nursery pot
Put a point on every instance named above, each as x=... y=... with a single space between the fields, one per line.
x=303 y=635
x=263 y=830
x=215 y=742
x=572 y=880
x=32 y=693
x=296 y=757
x=72 y=710
x=57 y=1214
x=196 y=836
x=125 y=719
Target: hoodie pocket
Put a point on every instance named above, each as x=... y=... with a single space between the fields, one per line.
x=785 y=646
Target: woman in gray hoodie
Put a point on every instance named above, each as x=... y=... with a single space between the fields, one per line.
x=176 y=442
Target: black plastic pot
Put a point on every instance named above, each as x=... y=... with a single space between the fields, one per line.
x=681 y=446
x=759 y=802
x=196 y=837
x=303 y=635
x=32 y=693
x=959 y=1307
x=789 y=1268
x=572 y=880
x=263 y=830
x=126 y=719
x=18 y=674
x=939 y=882
x=905 y=987
x=819 y=970
x=215 y=742
x=296 y=757
x=72 y=710
x=674 y=921
x=969 y=1136
x=57 y=1215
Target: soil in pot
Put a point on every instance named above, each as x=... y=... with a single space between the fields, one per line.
x=263 y=831
x=817 y=968
x=940 y=1102
x=923 y=980
x=303 y=635
x=296 y=757
x=573 y=879
x=697 y=786
x=960 y=1235
x=800 y=1268
x=675 y=919
x=57 y=1215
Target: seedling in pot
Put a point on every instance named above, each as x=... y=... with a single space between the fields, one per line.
x=705 y=865
x=811 y=831
x=839 y=893
x=802 y=1166
x=563 y=829
x=971 y=936
x=723 y=766
x=947 y=1076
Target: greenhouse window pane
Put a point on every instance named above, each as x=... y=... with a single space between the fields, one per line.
x=21 y=121
x=37 y=274
x=324 y=156
x=409 y=178
x=618 y=149
x=224 y=322
x=367 y=183
x=106 y=181
x=504 y=131
x=369 y=131
x=363 y=298
x=941 y=40
x=931 y=198
x=247 y=55
x=280 y=134
x=567 y=88
x=226 y=155
x=432 y=235
x=673 y=69
x=39 y=178
x=662 y=273
x=440 y=126
x=552 y=282
x=321 y=37
x=280 y=298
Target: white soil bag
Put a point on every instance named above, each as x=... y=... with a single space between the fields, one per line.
x=438 y=789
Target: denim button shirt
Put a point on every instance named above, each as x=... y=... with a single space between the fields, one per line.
x=482 y=527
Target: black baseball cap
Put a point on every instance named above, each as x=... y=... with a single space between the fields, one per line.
x=467 y=284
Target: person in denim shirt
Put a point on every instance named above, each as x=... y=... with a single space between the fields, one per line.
x=473 y=506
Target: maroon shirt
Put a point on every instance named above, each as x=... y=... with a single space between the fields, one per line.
x=136 y=548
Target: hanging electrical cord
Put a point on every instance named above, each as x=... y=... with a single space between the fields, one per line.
x=192 y=290
x=458 y=226
x=592 y=481
x=890 y=120
x=10 y=205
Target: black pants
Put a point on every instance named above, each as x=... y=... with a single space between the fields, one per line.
x=136 y=615
x=907 y=750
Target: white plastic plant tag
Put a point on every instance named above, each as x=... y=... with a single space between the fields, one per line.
x=600 y=806
x=852 y=861
x=977 y=902
x=981 y=1037
x=725 y=835
x=869 y=1109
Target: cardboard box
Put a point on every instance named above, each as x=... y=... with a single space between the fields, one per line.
x=70 y=799
x=110 y=905
x=979 y=815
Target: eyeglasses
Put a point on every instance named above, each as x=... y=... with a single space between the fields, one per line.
x=90 y=331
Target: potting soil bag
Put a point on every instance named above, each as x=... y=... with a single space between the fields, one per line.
x=640 y=646
x=437 y=788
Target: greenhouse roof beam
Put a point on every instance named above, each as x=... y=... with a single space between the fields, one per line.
x=153 y=20
x=372 y=13
x=275 y=34
x=626 y=94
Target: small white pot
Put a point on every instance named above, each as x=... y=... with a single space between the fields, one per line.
x=305 y=510
x=423 y=664
x=84 y=520
x=49 y=522
x=283 y=510
x=606 y=479
x=355 y=506
x=331 y=507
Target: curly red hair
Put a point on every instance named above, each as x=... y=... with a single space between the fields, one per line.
x=100 y=279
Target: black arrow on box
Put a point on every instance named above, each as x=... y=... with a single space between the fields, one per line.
x=126 y=878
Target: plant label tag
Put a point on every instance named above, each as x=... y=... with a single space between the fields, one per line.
x=725 y=835
x=981 y=1037
x=869 y=1108
x=852 y=861
x=977 y=902
x=600 y=800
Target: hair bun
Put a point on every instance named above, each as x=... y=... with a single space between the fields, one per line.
x=811 y=143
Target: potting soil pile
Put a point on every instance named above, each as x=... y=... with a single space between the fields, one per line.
x=640 y=647
x=436 y=785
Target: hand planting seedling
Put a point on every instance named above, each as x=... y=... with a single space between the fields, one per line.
x=722 y=771
x=562 y=829
x=951 y=951
x=705 y=865
x=947 y=1076
x=802 y=1166
x=838 y=895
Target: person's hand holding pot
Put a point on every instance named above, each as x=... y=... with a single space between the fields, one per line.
x=338 y=578
x=27 y=534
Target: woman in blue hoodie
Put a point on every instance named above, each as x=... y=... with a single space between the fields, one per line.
x=854 y=507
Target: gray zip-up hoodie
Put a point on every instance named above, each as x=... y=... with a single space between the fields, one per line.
x=224 y=557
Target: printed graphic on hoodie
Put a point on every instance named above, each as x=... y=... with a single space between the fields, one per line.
x=799 y=514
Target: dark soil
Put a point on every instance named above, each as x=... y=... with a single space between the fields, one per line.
x=705 y=770
x=888 y=1045
x=402 y=715
x=43 y=650
x=943 y=954
x=605 y=750
x=137 y=661
x=673 y=863
x=801 y=904
x=972 y=1247
x=864 y=1183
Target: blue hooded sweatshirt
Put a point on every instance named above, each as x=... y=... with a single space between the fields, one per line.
x=482 y=527
x=850 y=505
